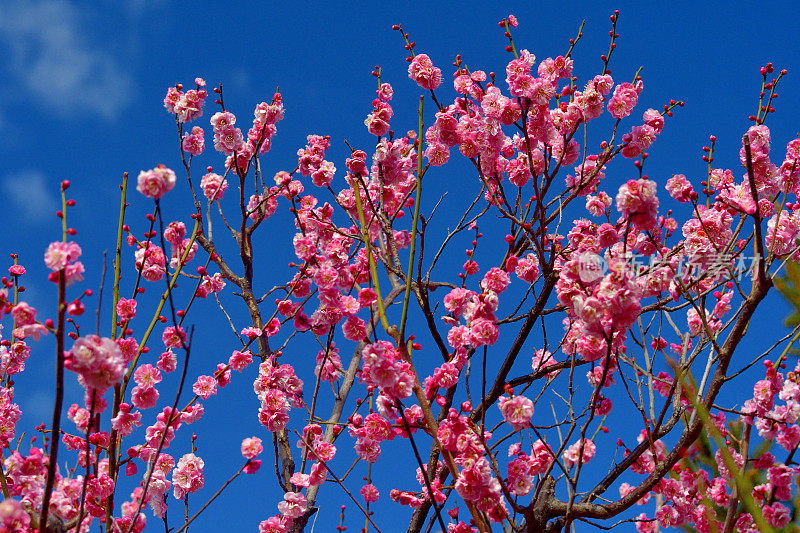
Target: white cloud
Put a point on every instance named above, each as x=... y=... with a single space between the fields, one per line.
x=50 y=56
x=30 y=195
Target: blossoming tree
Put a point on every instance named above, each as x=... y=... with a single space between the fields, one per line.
x=597 y=328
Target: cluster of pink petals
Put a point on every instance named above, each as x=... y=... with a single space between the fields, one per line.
x=10 y=414
x=156 y=182
x=377 y=122
x=625 y=98
x=311 y=161
x=150 y=260
x=13 y=516
x=584 y=448
x=251 y=448
x=194 y=142
x=186 y=106
x=517 y=411
x=187 y=476
x=680 y=188
x=601 y=305
x=383 y=367
x=227 y=137
x=25 y=321
x=638 y=203
x=422 y=71
x=543 y=359
x=12 y=358
x=144 y=395
x=213 y=185
x=782 y=231
x=523 y=468
x=329 y=364
x=294 y=505
x=210 y=285
x=62 y=256
x=98 y=361
x=369 y=432
x=369 y=493
x=126 y=309
x=265 y=118
x=277 y=387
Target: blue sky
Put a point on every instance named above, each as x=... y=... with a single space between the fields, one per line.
x=81 y=96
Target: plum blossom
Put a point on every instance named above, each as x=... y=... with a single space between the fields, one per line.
x=98 y=361
x=422 y=71
x=294 y=504
x=213 y=186
x=637 y=201
x=571 y=454
x=156 y=182
x=517 y=411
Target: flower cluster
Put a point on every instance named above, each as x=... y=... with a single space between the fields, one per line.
x=150 y=261
x=187 y=476
x=422 y=71
x=97 y=360
x=63 y=256
x=156 y=182
x=311 y=160
x=277 y=388
x=213 y=185
x=377 y=122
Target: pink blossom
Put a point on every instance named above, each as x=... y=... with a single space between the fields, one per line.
x=517 y=411
x=571 y=453
x=205 y=386
x=174 y=337
x=370 y=493
x=637 y=201
x=739 y=197
x=294 y=504
x=192 y=413
x=385 y=92
x=275 y=524
x=188 y=475
x=240 y=360
x=543 y=359
x=147 y=376
x=221 y=120
x=156 y=182
x=654 y=119
x=23 y=314
x=251 y=447
x=484 y=332
x=213 y=185
x=495 y=280
x=527 y=268
x=144 y=397
x=60 y=254
x=228 y=139
x=354 y=329
x=422 y=71
x=98 y=361
x=680 y=188
x=126 y=309
x=167 y=361
x=126 y=421
x=777 y=514
x=624 y=100
x=251 y=332
x=782 y=231
x=194 y=143
x=13 y=516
